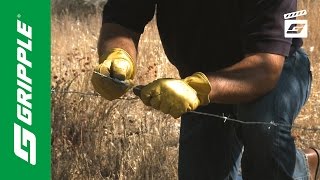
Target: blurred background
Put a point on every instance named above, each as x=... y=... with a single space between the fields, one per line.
x=93 y=138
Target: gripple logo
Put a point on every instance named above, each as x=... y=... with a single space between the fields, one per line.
x=295 y=28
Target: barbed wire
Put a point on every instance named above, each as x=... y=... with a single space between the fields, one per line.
x=88 y=94
x=224 y=118
x=75 y=92
x=255 y=123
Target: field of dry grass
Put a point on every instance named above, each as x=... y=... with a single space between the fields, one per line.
x=96 y=139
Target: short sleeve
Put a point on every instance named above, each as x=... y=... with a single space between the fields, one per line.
x=132 y=14
x=262 y=26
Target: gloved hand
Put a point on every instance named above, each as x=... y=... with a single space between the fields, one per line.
x=175 y=97
x=117 y=64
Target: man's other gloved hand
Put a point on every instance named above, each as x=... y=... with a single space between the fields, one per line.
x=117 y=64
x=175 y=97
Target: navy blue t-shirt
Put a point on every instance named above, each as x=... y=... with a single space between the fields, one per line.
x=208 y=35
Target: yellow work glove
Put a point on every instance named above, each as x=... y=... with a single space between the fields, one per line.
x=117 y=64
x=174 y=96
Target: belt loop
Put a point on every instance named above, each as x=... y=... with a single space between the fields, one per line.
x=293 y=49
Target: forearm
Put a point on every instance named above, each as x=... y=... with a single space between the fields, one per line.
x=115 y=63
x=117 y=36
x=247 y=80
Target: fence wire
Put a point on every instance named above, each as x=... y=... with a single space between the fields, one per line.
x=224 y=118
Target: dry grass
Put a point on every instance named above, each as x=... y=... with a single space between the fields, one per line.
x=96 y=139
x=310 y=114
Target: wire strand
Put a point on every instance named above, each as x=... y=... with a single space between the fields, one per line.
x=225 y=118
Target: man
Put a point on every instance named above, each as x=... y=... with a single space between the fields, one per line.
x=234 y=60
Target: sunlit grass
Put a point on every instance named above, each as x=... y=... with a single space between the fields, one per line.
x=96 y=139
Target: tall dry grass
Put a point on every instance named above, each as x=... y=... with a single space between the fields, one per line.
x=96 y=139
x=310 y=114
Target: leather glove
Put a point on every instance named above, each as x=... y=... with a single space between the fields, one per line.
x=117 y=64
x=175 y=97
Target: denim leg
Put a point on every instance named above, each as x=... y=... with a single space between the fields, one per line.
x=209 y=148
x=269 y=151
x=302 y=168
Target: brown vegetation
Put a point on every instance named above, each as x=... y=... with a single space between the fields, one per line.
x=96 y=139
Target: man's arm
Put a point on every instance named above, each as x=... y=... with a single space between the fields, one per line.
x=117 y=53
x=123 y=22
x=262 y=30
x=116 y=36
x=247 y=80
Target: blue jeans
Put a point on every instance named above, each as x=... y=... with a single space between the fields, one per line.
x=212 y=149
